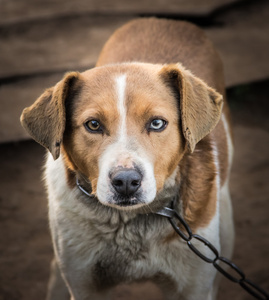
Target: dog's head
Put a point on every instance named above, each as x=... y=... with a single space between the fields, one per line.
x=125 y=127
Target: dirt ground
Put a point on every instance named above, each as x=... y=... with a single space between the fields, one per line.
x=25 y=247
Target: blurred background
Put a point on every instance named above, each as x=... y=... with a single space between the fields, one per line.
x=41 y=40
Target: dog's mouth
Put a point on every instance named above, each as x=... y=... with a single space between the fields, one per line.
x=125 y=201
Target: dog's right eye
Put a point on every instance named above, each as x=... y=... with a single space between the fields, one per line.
x=93 y=126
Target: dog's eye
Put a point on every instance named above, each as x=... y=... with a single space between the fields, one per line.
x=93 y=126
x=157 y=125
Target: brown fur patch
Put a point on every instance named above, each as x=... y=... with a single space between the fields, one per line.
x=96 y=100
x=200 y=105
x=45 y=119
x=198 y=185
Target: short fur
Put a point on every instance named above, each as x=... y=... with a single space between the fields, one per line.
x=149 y=69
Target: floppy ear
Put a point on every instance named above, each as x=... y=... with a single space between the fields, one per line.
x=45 y=119
x=200 y=106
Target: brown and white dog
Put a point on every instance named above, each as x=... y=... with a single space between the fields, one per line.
x=148 y=123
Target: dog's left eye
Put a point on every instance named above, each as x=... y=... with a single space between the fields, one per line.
x=93 y=126
x=157 y=125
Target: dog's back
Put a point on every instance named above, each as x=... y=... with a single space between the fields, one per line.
x=160 y=41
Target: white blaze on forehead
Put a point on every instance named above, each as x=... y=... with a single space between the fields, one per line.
x=120 y=89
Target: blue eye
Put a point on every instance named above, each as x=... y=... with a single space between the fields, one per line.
x=157 y=125
x=93 y=126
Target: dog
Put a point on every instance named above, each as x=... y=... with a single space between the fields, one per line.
x=147 y=125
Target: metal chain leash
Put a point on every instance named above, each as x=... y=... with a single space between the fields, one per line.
x=240 y=278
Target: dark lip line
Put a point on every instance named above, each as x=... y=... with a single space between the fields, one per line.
x=126 y=202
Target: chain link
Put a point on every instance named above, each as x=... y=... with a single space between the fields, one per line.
x=253 y=289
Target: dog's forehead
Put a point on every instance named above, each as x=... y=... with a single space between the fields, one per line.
x=138 y=75
x=140 y=85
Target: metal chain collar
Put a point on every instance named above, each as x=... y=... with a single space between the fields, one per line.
x=188 y=237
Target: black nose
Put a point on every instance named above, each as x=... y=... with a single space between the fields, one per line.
x=126 y=181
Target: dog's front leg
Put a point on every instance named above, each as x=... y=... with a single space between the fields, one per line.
x=57 y=289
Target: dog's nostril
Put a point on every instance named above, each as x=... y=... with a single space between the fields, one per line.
x=135 y=182
x=118 y=183
x=126 y=181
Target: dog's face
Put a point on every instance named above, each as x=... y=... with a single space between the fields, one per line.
x=125 y=127
x=124 y=134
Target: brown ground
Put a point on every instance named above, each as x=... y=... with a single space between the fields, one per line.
x=25 y=248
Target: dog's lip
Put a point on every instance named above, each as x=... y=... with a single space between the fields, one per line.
x=127 y=202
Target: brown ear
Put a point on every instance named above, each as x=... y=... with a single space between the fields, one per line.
x=45 y=119
x=200 y=106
